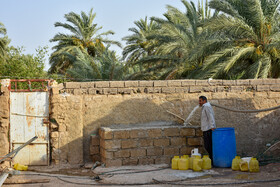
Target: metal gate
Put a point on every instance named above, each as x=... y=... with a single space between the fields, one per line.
x=29 y=114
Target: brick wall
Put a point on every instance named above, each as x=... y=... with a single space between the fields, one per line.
x=150 y=145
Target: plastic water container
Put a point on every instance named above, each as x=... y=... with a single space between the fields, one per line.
x=254 y=165
x=206 y=162
x=224 y=147
x=197 y=163
x=183 y=163
x=174 y=164
x=235 y=163
x=20 y=167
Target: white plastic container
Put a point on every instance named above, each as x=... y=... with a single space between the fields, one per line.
x=195 y=152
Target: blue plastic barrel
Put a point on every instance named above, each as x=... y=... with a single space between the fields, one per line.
x=224 y=147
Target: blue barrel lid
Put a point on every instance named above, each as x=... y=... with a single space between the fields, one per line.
x=224 y=129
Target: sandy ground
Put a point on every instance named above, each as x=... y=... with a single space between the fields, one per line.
x=153 y=175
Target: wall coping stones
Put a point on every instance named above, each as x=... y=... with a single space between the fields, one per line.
x=171 y=86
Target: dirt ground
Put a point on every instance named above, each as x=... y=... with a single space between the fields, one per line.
x=152 y=175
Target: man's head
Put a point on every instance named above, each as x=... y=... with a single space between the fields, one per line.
x=202 y=100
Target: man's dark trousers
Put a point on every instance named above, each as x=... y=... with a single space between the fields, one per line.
x=207 y=137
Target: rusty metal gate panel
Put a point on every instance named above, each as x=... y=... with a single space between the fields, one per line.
x=28 y=113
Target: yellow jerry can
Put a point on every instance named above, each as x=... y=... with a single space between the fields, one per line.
x=254 y=165
x=197 y=163
x=235 y=163
x=243 y=165
x=20 y=167
x=206 y=162
x=183 y=163
x=174 y=164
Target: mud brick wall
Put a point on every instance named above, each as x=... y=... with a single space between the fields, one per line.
x=78 y=110
x=146 y=146
x=4 y=118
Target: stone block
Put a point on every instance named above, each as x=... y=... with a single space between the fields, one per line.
x=117 y=84
x=237 y=88
x=154 y=133
x=107 y=91
x=229 y=82
x=242 y=82
x=269 y=81
x=87 y=84
x=92 y=91
x=70 y=85
x=202 y=83
x=77 y=92
x=146 y=83
x=172 y=151
x=138 y=152
x=174 y=83
x=138 y=133
x=261 y=88
x=215 y=82
x=105 y=133
x=187 y=83
x=255 y=82
x=55 y=91
x=94 y=150
x=161 y=142
x=128 y=144
x=163 y=160
x=130 y=162
x=182 y=90
x=145 y=142
x=106 y=154
x=113 y=162
x=160 y=83
x=122 y=153
x=153 y=90
x=198 y=132
x=95 y=140
x=275 y=88
x=186 y=150
x=210 y=88
x=168 y=90
x=110 y=144
x=178 y=141
x=125 y=90
x=156 y=151
x=102 y=84
x=194 y=141
x=146 y=161
x=121 y=134
x=171 y=132
x=187 y=132
x=131 y=84
x=195 y=89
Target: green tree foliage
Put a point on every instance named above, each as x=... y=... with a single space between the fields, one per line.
x=105 y=66
x=137 y=44
x=179 y=33
x=19 y=65
x=4 y=41
x=243 y=41
x=84 y=36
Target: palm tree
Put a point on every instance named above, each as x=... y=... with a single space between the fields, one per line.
x=179 y=33
x=137 y=44
x=105 y=65
x=4 y=41
x=83 y=36
x=243 y=41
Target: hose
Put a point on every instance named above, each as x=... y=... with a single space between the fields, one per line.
x=246 y=111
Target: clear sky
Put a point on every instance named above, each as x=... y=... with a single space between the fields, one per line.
x=30 y=23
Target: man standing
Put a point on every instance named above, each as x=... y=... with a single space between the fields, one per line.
x=207 y=124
